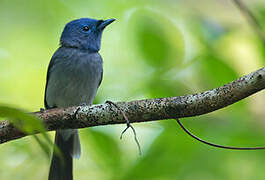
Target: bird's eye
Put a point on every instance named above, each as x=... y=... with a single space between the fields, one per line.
x=85 y=28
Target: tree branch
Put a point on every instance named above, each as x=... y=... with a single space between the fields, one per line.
x=144 y=110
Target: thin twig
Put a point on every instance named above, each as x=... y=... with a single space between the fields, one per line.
x=216 y=145
x=251 y=19
x=258 y=29
x=128 y=126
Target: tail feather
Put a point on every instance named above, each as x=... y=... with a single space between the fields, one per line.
x=76 y=153
x=62 y=163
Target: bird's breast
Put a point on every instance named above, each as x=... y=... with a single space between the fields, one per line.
x=74 y=80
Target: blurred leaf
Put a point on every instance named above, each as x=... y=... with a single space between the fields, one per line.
x=160 y=87
x=22 y=120
x=151 y=42
x=28 y=124
x=43 y=146
x=214 y=72
x=157 y=39
x=105 y=148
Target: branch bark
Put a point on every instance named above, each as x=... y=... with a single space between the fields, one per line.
x=144 y=110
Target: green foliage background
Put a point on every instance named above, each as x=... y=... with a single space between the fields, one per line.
x=155 y=49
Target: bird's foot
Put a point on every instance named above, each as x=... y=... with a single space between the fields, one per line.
x=79 y=108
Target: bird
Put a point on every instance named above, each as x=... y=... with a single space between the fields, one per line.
x=74 y=74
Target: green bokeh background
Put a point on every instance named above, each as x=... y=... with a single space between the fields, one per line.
x=156 y=48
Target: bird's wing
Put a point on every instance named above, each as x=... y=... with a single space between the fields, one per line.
x=52 y=62
x=101 y=77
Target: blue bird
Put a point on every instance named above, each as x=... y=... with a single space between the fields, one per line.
x=73 y=77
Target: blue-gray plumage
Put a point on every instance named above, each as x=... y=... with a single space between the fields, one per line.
x=74 y=74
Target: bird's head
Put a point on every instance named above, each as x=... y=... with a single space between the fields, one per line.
x=84 y=33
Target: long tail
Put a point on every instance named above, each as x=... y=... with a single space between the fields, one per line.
x=61 y=167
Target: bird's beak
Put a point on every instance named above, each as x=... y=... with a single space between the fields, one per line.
x=105 y=23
